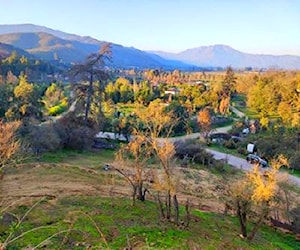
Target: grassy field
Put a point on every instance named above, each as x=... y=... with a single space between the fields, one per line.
x=239 y=102
x=91 y=222
x=88 y=208
x=127 y=108
x=86 y=159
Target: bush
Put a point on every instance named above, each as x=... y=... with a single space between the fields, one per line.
x=194 y=151
x=44 y=138
x=74 y=133
x=57 y=110
x=81 y=138
x=295 y=161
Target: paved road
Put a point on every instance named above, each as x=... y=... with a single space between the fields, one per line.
x=197 y=135
x=232 y=160
x=243 y=164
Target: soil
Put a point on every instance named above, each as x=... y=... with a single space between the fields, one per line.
x=24 y=183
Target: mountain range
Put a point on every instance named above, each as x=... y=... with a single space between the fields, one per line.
x=49 y=44
x=223 y=55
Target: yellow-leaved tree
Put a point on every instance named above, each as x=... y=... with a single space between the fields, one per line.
x=9 y=144
x=204 y=121
x=151 y=133
x=54 y=100
x=255 y=195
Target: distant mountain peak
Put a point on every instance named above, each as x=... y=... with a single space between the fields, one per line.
x=220 y=55
x=72 y=48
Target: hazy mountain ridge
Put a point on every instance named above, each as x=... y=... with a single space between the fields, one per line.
x=31 y=28
x=49 y=44
x=223 y=55
x=49 y=47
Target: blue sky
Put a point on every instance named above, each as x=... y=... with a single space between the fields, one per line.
x=254 y=26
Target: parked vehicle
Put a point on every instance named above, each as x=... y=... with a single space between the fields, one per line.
x=255 y=159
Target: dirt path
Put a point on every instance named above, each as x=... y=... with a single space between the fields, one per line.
x=240 y=114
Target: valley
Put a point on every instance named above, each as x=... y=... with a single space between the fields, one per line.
x=104 y=146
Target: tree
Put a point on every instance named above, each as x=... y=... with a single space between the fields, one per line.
x=23 y=60
x=9 y=144
x=144 y=94
x=255 y=192
x=26 y=101
x=182 y=116
x=224 y=105
x=204 y=121
x=228 y=82
x=12 y=58
x=91 y=70
x=135 y=155
x=165 y=152
x=157 y=122
x=285 y=112
x=24 y=90
x=54 y=100
x=112 y=93
x=227 y=88
x=6 y=92
x=11 y=78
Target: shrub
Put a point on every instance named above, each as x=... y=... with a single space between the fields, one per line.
x=194 y=151
x=74 y=133
x=81 y=138
x=44 y=138
x=295 y=161
x=57 y=110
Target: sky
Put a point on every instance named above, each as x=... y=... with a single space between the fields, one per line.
x=253 y=26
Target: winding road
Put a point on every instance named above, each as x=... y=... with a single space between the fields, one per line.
x=232 y=160
x=241 y=163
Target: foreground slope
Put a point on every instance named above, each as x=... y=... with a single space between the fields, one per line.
x=84 y=207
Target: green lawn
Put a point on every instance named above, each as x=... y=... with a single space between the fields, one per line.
x=127 y=108
x=295 y=172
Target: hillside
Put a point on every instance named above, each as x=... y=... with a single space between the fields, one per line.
x=49 y=47
x=45 y=43
x=31 y=28
x=223 y=55
x=6 y=50
x=81 y=206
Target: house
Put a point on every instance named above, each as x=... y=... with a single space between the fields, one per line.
x=172 y=91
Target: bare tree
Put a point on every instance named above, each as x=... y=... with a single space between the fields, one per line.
x=134 y=156
x=157 y=122
x=92 y=70
x=166 y=181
